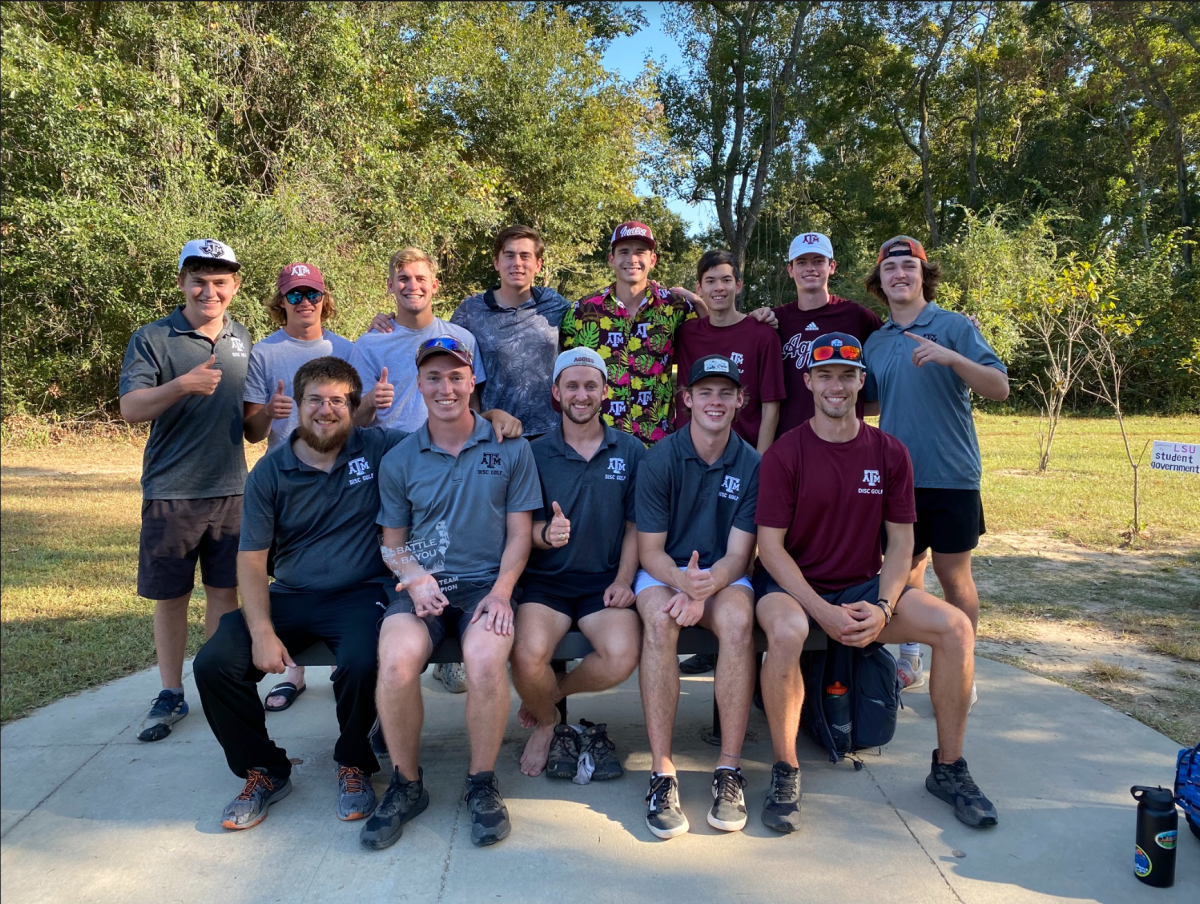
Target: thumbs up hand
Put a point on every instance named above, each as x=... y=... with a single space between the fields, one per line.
x=558 y=534
x=280 y=404
x=384 y=392
x=202 y=379
x=698 y=582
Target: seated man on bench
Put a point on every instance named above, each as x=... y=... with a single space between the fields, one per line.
x=581 y=571
x=316 y=498
x=696 y=496
x=458 y=505
x=826 y=489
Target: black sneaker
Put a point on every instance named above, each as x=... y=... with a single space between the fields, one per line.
x=401 y=802
x=728 y=811
x=605 y=763
x=564 y=753
x=954 y=785
x=489 y=816
x=249 y=808
x=698 y=664
x=664 y=815
x=781 y=812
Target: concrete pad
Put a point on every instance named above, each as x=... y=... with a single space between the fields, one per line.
x=111 y=819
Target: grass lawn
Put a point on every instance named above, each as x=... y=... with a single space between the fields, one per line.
x=70 y=511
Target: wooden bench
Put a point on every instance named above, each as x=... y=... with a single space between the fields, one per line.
x=575 y=646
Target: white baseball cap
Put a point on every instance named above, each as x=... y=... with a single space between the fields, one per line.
x=810 y=243
x=579 y=356
x=209 y=250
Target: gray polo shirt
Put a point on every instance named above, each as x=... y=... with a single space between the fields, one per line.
x=597 y=497
x=929 y=408
x=397 y=351
x=455 y=506
x=322 y=524
x=518 y=346
x=195 y=447
x=278 y=357
x=694 y=502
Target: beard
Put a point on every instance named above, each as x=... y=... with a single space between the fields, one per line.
x=328 y=442
x=576 y=419
x=832 y=412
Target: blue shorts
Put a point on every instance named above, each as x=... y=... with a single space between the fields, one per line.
x=455 y=618
x=644 y=581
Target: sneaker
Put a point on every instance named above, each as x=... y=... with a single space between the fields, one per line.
x=401 y=802
x=781 y=811
x=954 y=785
x=453 y=675
x=356 y=796
x=489 y=816
x=166 y=709
x=249 y=808
x=728 y=811
x=605 y=764
x=911 y=674
x=698 y=664
x=664 y=815
x=564 y=753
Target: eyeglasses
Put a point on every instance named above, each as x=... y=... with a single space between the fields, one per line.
x=312 y=296
x=829 y=352
x=337 y=403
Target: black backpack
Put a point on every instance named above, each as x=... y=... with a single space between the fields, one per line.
x=869 y=675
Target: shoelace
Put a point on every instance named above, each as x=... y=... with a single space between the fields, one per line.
x=254 y=781
x=784 y=785
x=962 y=778
x=486 y=793
x=659 y=796
x=599 y=744
x=162 y=706
x=351 y=779
x=730 y=785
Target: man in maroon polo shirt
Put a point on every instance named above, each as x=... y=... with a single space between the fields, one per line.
x=826 y=489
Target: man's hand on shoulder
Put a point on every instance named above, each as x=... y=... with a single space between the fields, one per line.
x=504 y=424
x=767 y=316
x=384 y=322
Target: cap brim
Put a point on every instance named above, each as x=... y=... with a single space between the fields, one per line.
x=425 y=354
x=231 y=266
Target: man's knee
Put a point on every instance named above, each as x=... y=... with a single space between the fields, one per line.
x=486 y=662
x=402 y=659
x=957 y=631
x=226 y=653
x=532 y=649
x=733 y=617
x=786 y=632
x=658 y=627
x=621 y=652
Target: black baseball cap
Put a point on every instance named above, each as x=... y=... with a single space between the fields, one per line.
x=714 y=366
x=836 y=348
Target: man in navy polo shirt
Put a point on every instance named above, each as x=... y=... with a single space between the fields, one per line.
x=456 y=508
x=186 y=374
x=696 y=494
x=826 y=489
x=581 y=571
x=315 y=498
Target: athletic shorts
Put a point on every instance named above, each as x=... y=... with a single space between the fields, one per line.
x=176 y=533
x=576 y=596
x=867 y=590
x=948 y=521
x=464 y=596
x=643 y=581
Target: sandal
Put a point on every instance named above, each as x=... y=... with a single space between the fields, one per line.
x=288 y=691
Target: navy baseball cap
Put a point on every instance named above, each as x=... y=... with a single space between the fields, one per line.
x=714 y=366
x=836 y=348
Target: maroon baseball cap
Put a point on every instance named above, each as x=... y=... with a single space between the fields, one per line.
x=298 y=274
x=632 y=230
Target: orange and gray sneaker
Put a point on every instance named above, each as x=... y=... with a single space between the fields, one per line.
x=249 y=808
x=356 y=796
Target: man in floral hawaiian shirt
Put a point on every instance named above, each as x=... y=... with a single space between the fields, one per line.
x=632 y=325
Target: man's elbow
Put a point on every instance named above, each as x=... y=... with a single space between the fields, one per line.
x=1000 y=391
x=129 y=412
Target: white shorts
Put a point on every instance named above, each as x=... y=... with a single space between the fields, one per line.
x=643 y=580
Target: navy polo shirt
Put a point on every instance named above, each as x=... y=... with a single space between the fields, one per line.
x=322 y=524
x=694 y=502
x=597 y=497
x=195 y=446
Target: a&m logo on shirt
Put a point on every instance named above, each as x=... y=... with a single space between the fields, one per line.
x=490 y=464
x=730 y=487
x=870 y=478
x=239 y=347
x=360 y=470
x=736 y=358
x=616 y=469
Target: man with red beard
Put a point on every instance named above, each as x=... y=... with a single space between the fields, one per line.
x=316 y=499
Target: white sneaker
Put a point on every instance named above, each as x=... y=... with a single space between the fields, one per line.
x=453 y=675
x=911 y=675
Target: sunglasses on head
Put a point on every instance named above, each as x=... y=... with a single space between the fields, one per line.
x=312 y=296
x=449 y=343
x=843 y=352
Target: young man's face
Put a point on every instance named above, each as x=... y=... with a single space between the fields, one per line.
x=719 y=288
x=325 y=415
x=413 y=286
x=901 y=279
x=446 y=385
x=306 y=313
x=632 y=262
x=579 y=391
x=810 y=272
x=208 y=294
x=835 y=387
x=518 y=263
x=714 y=402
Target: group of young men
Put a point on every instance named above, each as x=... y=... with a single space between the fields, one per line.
x=610 y=464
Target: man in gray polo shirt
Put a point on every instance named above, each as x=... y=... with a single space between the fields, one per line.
x=581 y=571
x=696 y=497
x=456 y=509
x=185 y=375
x=315 y=499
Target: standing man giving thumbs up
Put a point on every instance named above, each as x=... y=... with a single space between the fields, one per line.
x=186 y=374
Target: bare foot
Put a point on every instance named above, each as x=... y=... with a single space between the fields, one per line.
x=537 y=750
x=279 y=700
x=525 y=718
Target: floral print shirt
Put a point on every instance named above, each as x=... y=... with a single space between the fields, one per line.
x=640 y=351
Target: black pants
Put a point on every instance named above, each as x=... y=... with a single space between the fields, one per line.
x=226 y=676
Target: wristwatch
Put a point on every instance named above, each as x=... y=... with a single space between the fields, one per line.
x=887 y=608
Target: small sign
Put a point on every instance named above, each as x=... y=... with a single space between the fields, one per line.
x=1181 y=457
